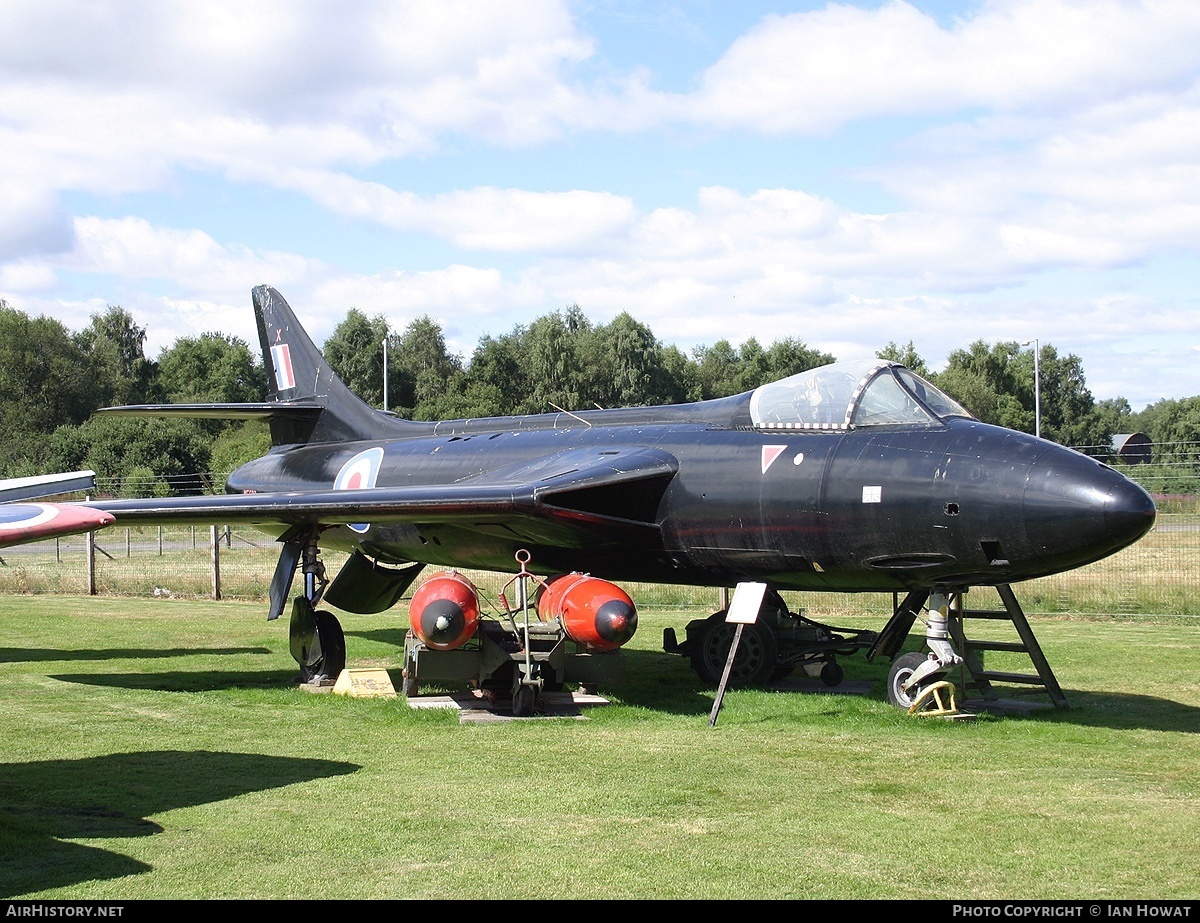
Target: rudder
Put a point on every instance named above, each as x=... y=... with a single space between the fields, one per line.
x=298 y=373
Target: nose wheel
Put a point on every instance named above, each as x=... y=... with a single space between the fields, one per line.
x=901 y=691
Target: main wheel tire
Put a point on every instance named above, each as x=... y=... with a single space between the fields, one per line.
x=331 y=653
x=903 y=667
x=755 y=662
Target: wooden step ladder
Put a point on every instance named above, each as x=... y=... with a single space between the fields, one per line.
x=981 y=679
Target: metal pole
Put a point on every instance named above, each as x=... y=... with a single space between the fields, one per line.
x=91 y=563
x=385 y=371
x=1037 y=386
x=215 y=541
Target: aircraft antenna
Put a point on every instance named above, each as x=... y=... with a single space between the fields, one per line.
x=569 y=414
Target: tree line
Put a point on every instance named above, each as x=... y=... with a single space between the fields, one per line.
x=52 y=380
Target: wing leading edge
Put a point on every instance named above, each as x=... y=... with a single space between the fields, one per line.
x=586 y=491
x=30 y=522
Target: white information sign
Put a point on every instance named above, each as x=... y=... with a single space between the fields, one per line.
x=747 y=600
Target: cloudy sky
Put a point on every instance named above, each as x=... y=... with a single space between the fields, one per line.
x=848 y=174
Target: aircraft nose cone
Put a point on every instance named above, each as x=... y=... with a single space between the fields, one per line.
x=1129 y=512
x=1078 y=510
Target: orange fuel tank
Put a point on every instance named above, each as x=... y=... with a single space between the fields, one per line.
x=444 y=611
x=594 y=613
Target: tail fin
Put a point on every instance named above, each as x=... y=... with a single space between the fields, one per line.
x=298 y=375
x=306 y=401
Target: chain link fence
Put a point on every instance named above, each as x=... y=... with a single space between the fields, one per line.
x=1158 y=576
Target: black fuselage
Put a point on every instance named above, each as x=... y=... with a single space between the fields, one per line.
x=881 y=508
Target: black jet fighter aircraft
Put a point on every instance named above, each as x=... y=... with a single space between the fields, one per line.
x=854 y=477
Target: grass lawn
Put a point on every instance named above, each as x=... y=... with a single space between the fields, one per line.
x=158 y=749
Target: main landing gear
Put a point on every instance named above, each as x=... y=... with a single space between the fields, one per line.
x=317 y=642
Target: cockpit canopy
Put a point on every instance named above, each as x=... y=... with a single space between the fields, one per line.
x=866 y=392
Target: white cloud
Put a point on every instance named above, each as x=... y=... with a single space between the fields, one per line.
x=815 y=71
x=25 y=276
x=1058 y=137
x=32 y=221
x=132 y=248
x=484 y=218
x=392 y=73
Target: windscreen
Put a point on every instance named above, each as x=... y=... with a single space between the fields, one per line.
x=869 y=392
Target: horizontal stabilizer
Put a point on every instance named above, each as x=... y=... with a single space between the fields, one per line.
x=46 y=485
x=263 y=410
x=291 y=421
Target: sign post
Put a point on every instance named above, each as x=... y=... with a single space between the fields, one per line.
x=743 y=611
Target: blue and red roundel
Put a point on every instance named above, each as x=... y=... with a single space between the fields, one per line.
x=28 y=522
x=360 y=473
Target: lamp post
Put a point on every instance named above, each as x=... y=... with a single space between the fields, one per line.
x=385 y=370
x=1037 y=386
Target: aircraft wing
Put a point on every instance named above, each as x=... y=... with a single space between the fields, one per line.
x=46 y=485
x=570 y=496
x=31 y=522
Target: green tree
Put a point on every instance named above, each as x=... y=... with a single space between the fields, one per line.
x=496 y=379
x=717 y=369
x=421 y=368
x=122 y=449
x=44 y=377
x=212 y=367
x=1000 y=384
x=236 y=446
x=1115 y=416
x=626 y=367
x=754 y=368
x=1171 y=422
x=791 y=356
x=722 y=370
x=907 y=356
x=554 y=355
x=989 y=383
x=355 y=353
x=44 y=382
x=115 y=347
x=681 y=372
x=1069 y=414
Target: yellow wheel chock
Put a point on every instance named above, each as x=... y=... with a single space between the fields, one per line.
x=940 y=708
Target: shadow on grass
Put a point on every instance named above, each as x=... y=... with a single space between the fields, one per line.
x=186 y=681
x=391 y=636
x=1126 y=710
x=653 y=680
x=48 y=802
x=41 y=655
